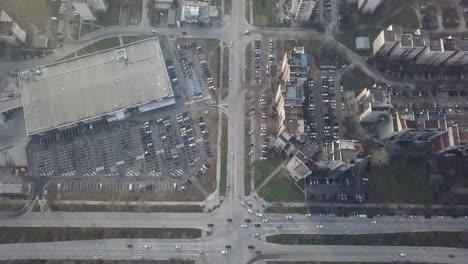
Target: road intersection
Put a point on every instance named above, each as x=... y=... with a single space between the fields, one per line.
x=224 y=233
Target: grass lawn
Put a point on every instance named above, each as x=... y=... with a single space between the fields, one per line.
x=48 y=234
x=356 y=80
x=86 y=28
x=100 y=45
x=30 y=14
x=126 y=208
x=225 y=82
x=11 y=205
x=286 y=210
x=407 y=18
x=402 y=181
x=224 y=155
x=281 y=189
x=111 y=17
x=39 y=261
x=131 y=39
x=264 y=13
x=421 y=239
x=263 y=168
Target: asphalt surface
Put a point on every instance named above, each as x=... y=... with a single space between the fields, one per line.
x=224 y=233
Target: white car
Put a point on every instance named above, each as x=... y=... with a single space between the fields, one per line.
x=265 y=220
x=177 y=247
x=243 y=203
x=402 y=254
x=230 y=44
x=154 y=31
x=147 y=246
x=256 y=235
x=246 y=32
x=244 y=226
x=319 y=226
x=259 y=214
x=308 y=214
x=223 y=252
x=373 y=222
x=232 y=155
x=289 y=217
x=249 y=210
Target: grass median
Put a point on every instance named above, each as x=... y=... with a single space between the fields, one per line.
x=224 y=154
x=281 y=189
x=421 y=239
x=99 y=46
x=125 y=208
x=50 y=234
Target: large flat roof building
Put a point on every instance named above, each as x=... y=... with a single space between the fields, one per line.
x=386 y=40
x=301 y=10
x=10 y=32
x=103 y=83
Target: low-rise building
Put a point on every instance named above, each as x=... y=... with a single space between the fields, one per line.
x=195 y=12
x=341 y=150
x=373 y=105
x=10 y=32
x=299 y=166
x=8 y=189
x=163 y=4
x=362 y=43
x=386 y=40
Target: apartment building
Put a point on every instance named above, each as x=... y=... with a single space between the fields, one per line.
x=410 y=45
x=460 y=57
x=296 y=64
x=368 y=6
x=438 y=51
x=10 y=32
x=301 y=10
x=288 y=101
x=373 y=105
x=386 y=40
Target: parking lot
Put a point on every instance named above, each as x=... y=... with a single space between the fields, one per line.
x=170 y=146
x=118 y=186
x=330 y=105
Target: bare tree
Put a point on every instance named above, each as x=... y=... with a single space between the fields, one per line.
x=379 y=157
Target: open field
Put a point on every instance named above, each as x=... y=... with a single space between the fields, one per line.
x=286 y=210
x=265 y=13
x=421 y=239
x=127 y=208
x=87 y=28
x=263 y=168
x=281 y=189
x=100 y=45
x=37 y=261
x=48 y=234
x=224 y=156
x=402 y=181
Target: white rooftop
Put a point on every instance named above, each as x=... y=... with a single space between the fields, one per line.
x=94 y=85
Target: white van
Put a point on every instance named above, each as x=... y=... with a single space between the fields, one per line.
x=130 y=187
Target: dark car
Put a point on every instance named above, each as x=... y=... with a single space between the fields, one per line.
x=257 y=225
x=229 y=220
x=247 y=220
x=251 y=247
x=210 y=225
x=228 y=246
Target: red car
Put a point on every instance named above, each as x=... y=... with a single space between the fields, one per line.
x=129 y=246
x=258 y=251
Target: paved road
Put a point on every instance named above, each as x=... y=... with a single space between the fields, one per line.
x=224 y=232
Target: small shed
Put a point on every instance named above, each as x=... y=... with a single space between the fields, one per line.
x=362 y=43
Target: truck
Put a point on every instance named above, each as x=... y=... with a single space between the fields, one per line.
x=361 y=215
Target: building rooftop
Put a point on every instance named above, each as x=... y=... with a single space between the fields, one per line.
x=436 y=44
x=293 y=95
x=407 y=40
x=6 y=188
x=78 y=89
x=362 y=43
